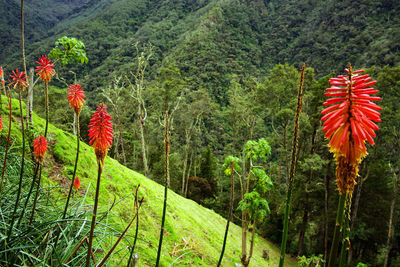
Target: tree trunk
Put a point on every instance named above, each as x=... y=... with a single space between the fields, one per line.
x=304 y=224
x=355 y=211
x=392 y=209
x=144 y=158
x=188 y=176
x=326 y=206
x=244 y=237
x=122 y=147
x=185 y=163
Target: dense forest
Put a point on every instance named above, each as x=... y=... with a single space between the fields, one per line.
x=227 y=72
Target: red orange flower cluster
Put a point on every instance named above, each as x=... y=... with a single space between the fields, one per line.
x=18 y=79
x=75 y=97
x=349 y=122
x=39 y=148
x=2 y=75
x=77 y=183
x=45 y=69
x=101 y=132
x=1 y=123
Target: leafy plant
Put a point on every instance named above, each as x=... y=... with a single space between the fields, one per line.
x=67 y=50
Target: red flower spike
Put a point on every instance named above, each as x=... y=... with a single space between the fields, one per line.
x=77 y=183
x=1 y=73
x=45 y=69
x=39 y=148
x=18 y=79
x=349 y=123
x=75 y=97
x=1 y=123
x=101 y=132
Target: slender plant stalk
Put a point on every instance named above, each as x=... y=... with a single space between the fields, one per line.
x=166 y=140
x=29 y=194
x=337 y=232
x=232 y=189
x=22 y=166
x=8 y=140
x=345 y=237
x=292 y=166
x=137 y=228
x=75 y=167
x=37 y=194
x=46 y=100
x=229 y=215
x=118 y=240
x=96 y=202
x=73 y=177
x=22 y=37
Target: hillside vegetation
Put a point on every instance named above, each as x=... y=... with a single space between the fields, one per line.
x=227 y=71
x=193 y=232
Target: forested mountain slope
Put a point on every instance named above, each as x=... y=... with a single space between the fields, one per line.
x=210 y=40
x=234 y=66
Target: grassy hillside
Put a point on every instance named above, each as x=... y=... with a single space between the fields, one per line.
x=190 y=228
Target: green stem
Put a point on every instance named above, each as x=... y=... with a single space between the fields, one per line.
x=37 y=194
x=96 y=201
x=293 y=161
x=75 y=167
x=8 y=141
x=337 y=232
x=229 y=215
x=346 y=230
x=166 y=163
x=22 y=167
x=29 y=194
x=136 y=232
x=46 y=100
x=285 y=227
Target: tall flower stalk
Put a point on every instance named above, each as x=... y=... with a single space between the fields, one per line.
x=100 y=137
x=39 y=151
x=75 y=98
x=166 y=172
x=20 y=83
x=292 y=167
x=45 y=70
x=349 y=122
x=9 y=130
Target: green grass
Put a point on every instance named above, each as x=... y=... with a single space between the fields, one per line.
x=190 y=228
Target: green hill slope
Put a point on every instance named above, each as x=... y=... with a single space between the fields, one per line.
x=190 y=228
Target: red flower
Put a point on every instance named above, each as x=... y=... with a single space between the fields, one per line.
x=45 y=70
x=75 y=97
x=39 y=148
x=2 y=75
x=77 y=183
x=18 y=79
x=349 y=122
x=1 y=123
x=101 y=132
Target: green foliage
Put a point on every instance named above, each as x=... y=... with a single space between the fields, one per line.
x=312 y=261
x=228 y=165
x=254 y=202
x=68 y=50
x=257 y=150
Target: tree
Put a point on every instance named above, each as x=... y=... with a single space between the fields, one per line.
x=254 y=185
x=136 y=93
